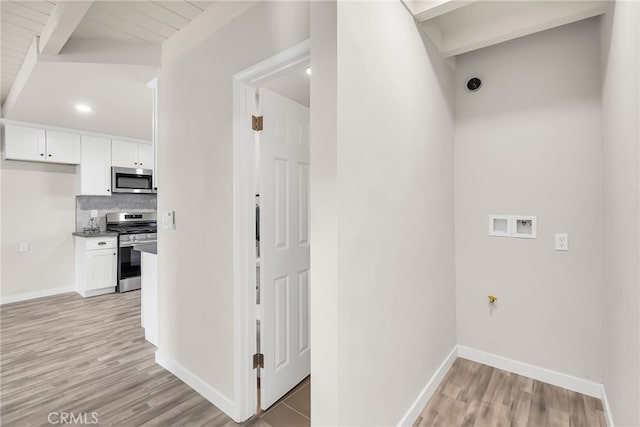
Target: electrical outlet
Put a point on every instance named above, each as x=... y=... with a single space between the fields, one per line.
x=94 y=213
x=562 y=242
x=24 y=247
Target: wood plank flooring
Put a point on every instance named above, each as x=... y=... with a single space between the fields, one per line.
x=75 y=355
x=473 y=394
x=70 y=354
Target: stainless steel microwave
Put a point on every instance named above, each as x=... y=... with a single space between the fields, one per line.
x=131 y=180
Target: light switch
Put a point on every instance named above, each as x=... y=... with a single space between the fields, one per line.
x=24 y=247
x=562 y=242
x=168 y=220
x=94 y=213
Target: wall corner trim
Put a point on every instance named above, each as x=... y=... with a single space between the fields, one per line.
x=218 y=399
x=608 y=415
x=423 y=398
x=37 y=294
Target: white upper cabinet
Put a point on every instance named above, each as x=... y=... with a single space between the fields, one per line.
x=24 y=143
x=34 y=144
x=95 y=167
x=124 y=154
x=63 y=147
x=145 y=156
x=128 y=154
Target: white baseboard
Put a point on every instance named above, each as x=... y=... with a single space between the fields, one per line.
x=33 y=295
x=96 y=292
x=218 y=399
x=421 y=401
x=607 y=409
x=548 y=376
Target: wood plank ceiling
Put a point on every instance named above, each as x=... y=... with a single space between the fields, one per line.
x=21 y=22
x=128 y=21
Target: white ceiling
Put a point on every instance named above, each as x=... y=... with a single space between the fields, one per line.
x=21 y=22
x=108 y=52
x=147 y=21
x=125 y=21
x=121 y=102
x=460 y=26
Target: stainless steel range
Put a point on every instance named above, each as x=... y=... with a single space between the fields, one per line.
x=135 y=228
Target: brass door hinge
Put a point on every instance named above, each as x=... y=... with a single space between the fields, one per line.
x=256 y=123
x=258 y=360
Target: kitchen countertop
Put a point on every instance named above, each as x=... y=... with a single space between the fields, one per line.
x=100 y=234
x=150 y=248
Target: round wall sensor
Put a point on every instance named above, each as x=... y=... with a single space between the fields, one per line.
x=474 y=84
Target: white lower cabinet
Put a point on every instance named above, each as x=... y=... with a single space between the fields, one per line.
x=149 y=297
x=96 y=265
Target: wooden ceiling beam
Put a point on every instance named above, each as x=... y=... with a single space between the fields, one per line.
x=64 y=19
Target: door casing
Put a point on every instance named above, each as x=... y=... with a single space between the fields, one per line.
x=244 y=177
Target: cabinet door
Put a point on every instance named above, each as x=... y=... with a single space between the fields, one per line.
x=95 y=166
x=101 y=268
x=24 y=143
x=63 y=147
x=145 y=156
x=124 y=154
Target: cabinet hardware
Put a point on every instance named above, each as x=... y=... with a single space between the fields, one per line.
x=102 y=243
x=42 y=154
x=49 y=155
x=114 y=253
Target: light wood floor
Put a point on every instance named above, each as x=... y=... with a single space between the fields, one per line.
x=70 y=354
x=473 y=394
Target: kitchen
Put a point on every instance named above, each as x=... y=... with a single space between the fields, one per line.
x=115 y=206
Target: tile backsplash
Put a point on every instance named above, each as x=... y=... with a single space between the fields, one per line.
x=115 y=203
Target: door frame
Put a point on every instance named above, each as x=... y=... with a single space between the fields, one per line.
x=244 y=218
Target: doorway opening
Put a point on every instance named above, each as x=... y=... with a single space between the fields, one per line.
x=271 y=236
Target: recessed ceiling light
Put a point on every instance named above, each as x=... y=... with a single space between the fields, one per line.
x=84 y=108
x=308 y=70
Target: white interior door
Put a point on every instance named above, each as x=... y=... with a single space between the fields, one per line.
x=284 y=240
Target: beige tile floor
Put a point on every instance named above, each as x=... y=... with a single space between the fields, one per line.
x=293 y=410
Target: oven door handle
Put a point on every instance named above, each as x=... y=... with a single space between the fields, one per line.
x=144 y=242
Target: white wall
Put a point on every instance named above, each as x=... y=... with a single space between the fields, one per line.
x=388 y=184
x=324 y=215
x=528 y=142
x=38 y=207
x=195 y=168
x=621 y=139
